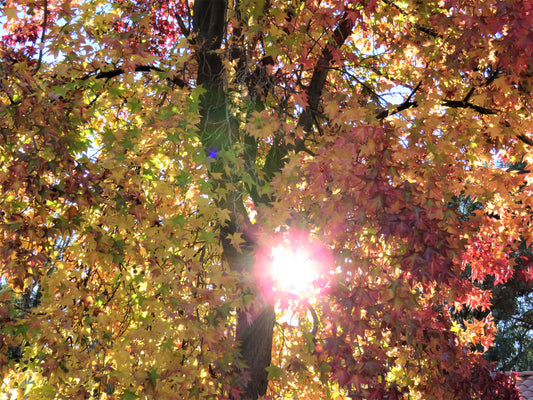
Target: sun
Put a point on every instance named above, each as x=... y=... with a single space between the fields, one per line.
x=293 y=263
x=293 y=269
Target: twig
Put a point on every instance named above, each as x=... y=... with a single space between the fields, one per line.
x=424 y=29
x=404 y=106
x=314 y=315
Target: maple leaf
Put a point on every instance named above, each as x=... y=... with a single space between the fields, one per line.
x=135 y=146
x=129 y=395
x=236 y=241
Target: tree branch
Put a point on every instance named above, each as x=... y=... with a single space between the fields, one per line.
x=186 y=32
x=407 y=103
x=318 y=79
x=314 y=315
x=119 y=71
x=43 y=36
x=446 y=103
x=525 y=139
x=452 y=104
x=423 y=29
x=469 y=94
x=404 y=106
x=275 y=158
x=492 y=77
x=466 y=104
x=138 y=68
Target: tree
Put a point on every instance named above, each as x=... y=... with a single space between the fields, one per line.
x=513 y=347
x=154 y=154
x=511 y=298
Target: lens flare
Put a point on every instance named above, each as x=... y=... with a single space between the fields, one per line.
x=293 y=270
x=292 y=263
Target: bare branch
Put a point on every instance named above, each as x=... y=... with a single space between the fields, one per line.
x=310 y=308
x=404 y=106
x=120 y=71
x=465 y=104
x=407 y=103
x=186 y=32
x=318 y=79
x=138 y=68
x=421 y=28
x=525 y=139
x=469 y=95
x=43 y=36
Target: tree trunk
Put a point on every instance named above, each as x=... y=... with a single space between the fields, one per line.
x=254 y=329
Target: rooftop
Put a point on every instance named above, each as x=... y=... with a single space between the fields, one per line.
x=525 y=384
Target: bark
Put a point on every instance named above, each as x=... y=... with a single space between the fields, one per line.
x=254 y=328
x=255 y=337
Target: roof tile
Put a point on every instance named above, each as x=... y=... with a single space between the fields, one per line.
x=525 y=384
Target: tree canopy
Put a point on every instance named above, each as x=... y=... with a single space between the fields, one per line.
x=160 y=160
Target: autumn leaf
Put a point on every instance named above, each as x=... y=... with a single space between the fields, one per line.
x=10 y=12
x=236 y=241
x=154 y=155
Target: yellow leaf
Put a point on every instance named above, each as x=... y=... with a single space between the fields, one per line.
x=10 y=12
x=236 y=241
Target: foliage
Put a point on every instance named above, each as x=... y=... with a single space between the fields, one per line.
x=512 y=300
x=513 y=347
x=153 y=152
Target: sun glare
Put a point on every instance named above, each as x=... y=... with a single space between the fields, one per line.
x=292 y=262
x=293 y=270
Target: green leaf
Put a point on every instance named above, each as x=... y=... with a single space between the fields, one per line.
x=117 y=90
x=153 y=376
x=178 y=220
x=208 y=236
x=134 y=104
x=324 y=369
x=129 y=395
x=274 y=372
x=22 y=330
x=47 y=391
